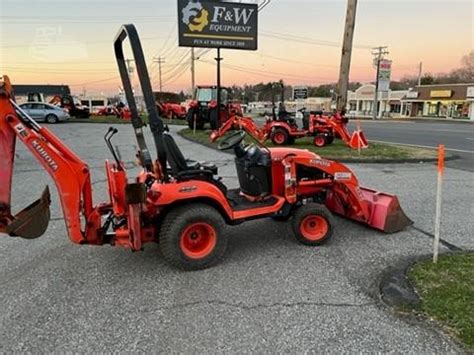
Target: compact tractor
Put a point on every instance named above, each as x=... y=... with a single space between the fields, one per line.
x=172 y=111
x=284 y=130
x=282 y=127
x=178 y=203
x=203 y=109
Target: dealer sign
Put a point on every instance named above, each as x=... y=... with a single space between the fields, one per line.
x=217 y=24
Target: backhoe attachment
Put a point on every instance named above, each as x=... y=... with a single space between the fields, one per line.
x=32 y=221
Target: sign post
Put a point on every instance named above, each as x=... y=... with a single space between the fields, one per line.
x=438 y=202
x=217 y=24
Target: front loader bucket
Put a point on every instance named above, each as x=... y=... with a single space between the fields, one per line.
x=358 y=140
x=32 y=221
x=385 y=211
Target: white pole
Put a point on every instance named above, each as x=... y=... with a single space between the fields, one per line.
x=438 y=202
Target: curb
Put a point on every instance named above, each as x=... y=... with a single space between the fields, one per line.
x=375 y=161
x=426 y=120
x=395 y=288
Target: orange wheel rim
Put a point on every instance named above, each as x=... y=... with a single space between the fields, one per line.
x=314 y=228
x=198 y=240
x=319 y=141
x=279 y=138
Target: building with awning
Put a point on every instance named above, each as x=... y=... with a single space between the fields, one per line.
x=360 y=102
x=440 y=101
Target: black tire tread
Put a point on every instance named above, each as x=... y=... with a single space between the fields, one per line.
x=281 y=130
x=174 y=222
x=309 y=209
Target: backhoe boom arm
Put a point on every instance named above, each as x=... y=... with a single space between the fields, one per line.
x=70 y=174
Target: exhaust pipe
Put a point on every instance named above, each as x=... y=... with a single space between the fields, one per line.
x=32 y=221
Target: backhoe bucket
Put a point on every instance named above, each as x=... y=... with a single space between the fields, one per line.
x=385 y=211
x=32 y=221
x=358 y=140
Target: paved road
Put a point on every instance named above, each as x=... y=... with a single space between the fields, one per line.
x=270 y=295
x=458 y=137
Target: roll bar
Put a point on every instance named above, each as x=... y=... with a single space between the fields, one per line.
x=155 y=122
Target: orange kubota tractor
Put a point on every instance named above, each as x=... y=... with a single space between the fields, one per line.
x=323 y=129
x=181 y=204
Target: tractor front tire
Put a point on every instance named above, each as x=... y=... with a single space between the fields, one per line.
x=279 y=136
x=192 y=237
x=312 y=224
x=320 y=140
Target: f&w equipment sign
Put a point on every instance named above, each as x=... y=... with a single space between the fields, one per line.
x=217 y=24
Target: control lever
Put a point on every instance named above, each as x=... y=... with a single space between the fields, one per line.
x=107 y=137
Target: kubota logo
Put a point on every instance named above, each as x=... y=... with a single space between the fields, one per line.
x=44 y=154
x=195 y=16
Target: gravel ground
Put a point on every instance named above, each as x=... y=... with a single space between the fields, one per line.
x=269 y=295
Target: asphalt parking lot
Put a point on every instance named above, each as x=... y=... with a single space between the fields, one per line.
x=269 y=295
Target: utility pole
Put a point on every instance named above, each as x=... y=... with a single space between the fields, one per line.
x=193 y=74
x=160 y=61
x=420 y=70
x=378 y=52
x=342 y=86
x=218 y=60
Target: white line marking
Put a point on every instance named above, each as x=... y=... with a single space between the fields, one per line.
x=423 y=146
x=471 y=139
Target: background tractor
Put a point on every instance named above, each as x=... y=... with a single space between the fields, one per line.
x=203 y=109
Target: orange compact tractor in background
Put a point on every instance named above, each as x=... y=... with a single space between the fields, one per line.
x=322 y=128
x=183 y=204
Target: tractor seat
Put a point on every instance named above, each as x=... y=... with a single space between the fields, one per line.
x=184 y=168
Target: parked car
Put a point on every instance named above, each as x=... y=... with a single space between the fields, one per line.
x=45 y=112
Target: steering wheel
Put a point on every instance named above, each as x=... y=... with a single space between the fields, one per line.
x=231 y=141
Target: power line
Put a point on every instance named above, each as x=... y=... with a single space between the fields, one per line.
x=55 y=44
x=265 y=73
x=96 y=81
x=177 y=76
x=306 y=40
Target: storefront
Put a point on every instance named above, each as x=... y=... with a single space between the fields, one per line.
x=361 y=101
x=440 y=101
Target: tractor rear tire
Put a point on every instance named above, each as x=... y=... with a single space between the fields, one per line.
x=279 y=136
x=312 y=224
x=192 y=237
x=213 y=120
x=329 y=139
x=190 y=118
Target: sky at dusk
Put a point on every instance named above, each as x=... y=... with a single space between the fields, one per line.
x=70 y=42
